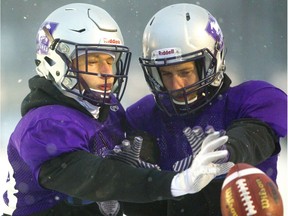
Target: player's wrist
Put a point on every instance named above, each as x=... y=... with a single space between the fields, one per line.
x=178 y=186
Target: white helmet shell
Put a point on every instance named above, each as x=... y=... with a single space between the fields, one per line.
x=181 y=29
x=73 y=30
x=180 y=33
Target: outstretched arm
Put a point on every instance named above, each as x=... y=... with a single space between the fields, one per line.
x=83 y=175
x=251 y=141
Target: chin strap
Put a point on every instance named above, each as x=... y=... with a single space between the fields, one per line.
x=92 y=109
x=93 y=96
x=184 y=103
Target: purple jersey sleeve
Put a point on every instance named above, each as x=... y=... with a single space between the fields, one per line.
x=50 y=131
x=260 y=100
x=49 y=138
x=45 y=133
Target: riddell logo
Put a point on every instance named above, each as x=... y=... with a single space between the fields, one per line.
x=166 y=52
x=111 y=41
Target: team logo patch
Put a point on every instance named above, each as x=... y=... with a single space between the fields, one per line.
x=43 y=42
x=109 y=208
x=114 y=108
x=214 y=30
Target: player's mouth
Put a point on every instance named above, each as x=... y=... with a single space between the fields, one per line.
x=105 y=87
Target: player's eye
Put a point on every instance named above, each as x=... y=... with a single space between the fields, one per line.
x=110 y=61
x=184 y=73
x=166 y=74
x=94 y=61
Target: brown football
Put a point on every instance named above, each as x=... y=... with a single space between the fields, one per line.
x=247 y=190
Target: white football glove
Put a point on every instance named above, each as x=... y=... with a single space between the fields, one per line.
x=195 y=137
x=203 y=169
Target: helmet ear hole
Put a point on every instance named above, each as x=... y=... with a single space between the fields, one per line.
x=188 y=16
x=50 y=77
x=37 y=62
x=218 y=46
x=49 y=61
x=151 y=21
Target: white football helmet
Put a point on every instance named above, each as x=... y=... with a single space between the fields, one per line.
x=181 y=33
x=77 y=29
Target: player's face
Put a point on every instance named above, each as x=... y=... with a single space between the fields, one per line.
x=178 y=76
x=96 y=63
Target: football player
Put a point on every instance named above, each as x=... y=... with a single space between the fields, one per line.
x=72 y=120
x=184 y=66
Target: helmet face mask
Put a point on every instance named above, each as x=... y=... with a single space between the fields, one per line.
x=72 y=78
x=60 y=41
x=167 y=99
x=177 y=34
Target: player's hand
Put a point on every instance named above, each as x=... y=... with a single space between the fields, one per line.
x=130 y=154
x=195 y=138
x=203 y=169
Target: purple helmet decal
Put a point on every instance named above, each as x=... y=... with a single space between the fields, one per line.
x=214 y=30
x=42 y=42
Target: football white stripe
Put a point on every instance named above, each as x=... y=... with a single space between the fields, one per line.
x=241 y=173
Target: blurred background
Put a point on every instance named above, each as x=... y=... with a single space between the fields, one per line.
x=255 y=34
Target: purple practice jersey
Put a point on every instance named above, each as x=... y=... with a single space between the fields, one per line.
x=250 y=100
x=45 y=133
